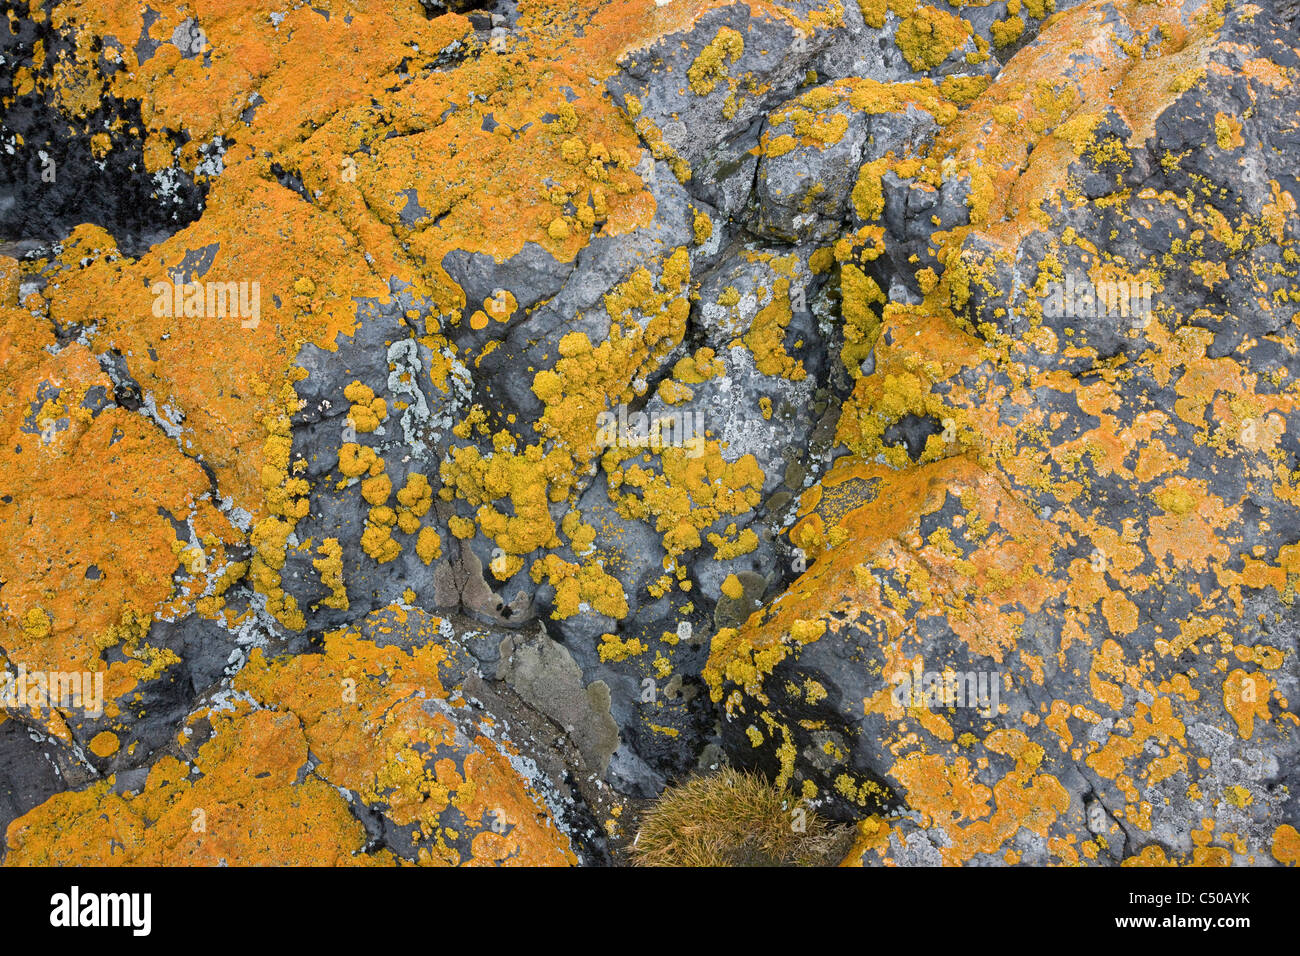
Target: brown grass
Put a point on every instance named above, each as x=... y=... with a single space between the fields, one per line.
x=735 y=819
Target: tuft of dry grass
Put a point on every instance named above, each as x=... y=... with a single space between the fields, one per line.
x=735 y=819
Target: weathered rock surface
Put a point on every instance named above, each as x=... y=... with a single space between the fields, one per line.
x=896 y=397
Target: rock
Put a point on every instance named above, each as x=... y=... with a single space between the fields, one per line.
x=443 y=452
x=543 y=673
x=803 y=190
x=1092 y=634
x=33 y=774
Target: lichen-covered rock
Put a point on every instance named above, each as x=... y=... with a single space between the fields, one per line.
x=358 y=754
x=433 y=428
x=1055 y=625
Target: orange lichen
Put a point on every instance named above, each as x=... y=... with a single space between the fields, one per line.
x=1286 y=845
x=244 y=807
